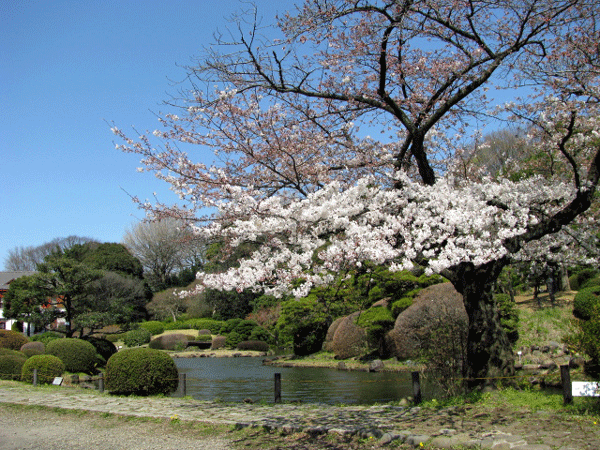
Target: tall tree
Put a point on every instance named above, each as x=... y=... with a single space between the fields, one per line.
x=163 y=247
x=27 y=258
x=297 y=172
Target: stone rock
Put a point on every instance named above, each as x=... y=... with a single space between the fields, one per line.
x=435 y=305
x=576 y=362
x=376 y=366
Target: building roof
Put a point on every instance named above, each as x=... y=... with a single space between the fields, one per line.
x=7 y=277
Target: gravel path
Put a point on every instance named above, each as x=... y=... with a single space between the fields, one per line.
x=469 y=426
x=50 y=430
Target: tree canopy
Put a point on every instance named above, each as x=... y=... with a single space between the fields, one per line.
x=298 y=170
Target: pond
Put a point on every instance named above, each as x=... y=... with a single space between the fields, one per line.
x=236 y=379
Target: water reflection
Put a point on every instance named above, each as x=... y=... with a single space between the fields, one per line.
x=235 y=379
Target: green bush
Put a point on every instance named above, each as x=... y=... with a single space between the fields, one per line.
x=257 y=346
x=77 y=355
x=577 y=280
x=592 y=282
x=208 y=324
x=135 y=338
x=400 y=305
x=240 y=330
x=585 y=301
x=11 y=366
x=8 y=351
x=141 y=371
x=12 y=339
x=204 y=338
x=33 y=348
x=153 y=326
x=103 y=347
x=205 y=331
x=175 y=341
x=48 y=367
x=509 y=316
x=47 y=336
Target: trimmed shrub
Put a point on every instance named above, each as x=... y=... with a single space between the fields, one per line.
x=47 y=336
x=135 y=338
x=238 y=330
x=175 y=341
x=8 y=351
x=204 y=338
x=257 y=346
x=103 y=347
x=48 y=367
x=593 y=282
x=77 y=355
x=218 y=342
x=11 y=366
x=577 y=280
x=585 y=301
x=153 y=326
x=12 y=339
x=204 y=331
x=33 y=348
x=141 y=371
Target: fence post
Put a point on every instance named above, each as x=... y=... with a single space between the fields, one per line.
x=416 y=387
x=277 y=388
x=182 y=388
x=565 y=377
x=101 y=382
x=35 y=377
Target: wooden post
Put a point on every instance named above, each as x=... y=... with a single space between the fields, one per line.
x=565 y=377
x=277 y=388
x=101 y=382
x=35 y=377
x=416 y=387
x=182 y=388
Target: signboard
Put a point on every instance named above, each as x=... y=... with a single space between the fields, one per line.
x=57 y=381
x=585 y=389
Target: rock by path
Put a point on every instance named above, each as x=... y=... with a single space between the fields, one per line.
x=445 y=428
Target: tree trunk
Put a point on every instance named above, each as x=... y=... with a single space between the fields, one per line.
x=489 y=353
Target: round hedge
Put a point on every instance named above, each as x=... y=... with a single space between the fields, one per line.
x=47 y=336
x=33 y=348
x=135 y=338
x=11 y=366
x=12 y=339
x=585 y=301
x=77 y=355
x=103 y=347
x=48 y=367
x=141 y=371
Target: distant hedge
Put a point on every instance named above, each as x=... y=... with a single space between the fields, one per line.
x=12 y=339
x=33 y=348
x=135 y=338
x=175 y=341
x=153 y=326
x=77 y=355
x=257 y=346
x=141 y=371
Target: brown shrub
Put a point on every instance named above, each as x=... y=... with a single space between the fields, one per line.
x=12 y=339
x=218 y=342
x=419 y=323
x=349 y=340
x=33 y=348
x=328 y=344
x=175 y=341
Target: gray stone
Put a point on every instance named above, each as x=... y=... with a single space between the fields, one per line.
x=417 y=439
x=376 y=365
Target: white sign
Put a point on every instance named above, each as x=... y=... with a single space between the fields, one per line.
x=57 y=381
x=585 y=389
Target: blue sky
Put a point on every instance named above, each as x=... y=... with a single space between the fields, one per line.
x=66 y=69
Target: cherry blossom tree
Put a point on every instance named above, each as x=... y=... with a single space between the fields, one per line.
x=297 y=170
